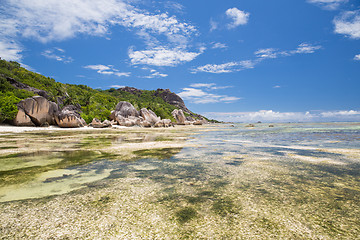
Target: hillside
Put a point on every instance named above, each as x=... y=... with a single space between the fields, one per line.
x=17 y=83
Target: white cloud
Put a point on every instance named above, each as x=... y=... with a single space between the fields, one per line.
x=260 y=55
x=277 y=86
x=201 y=96
x=266 y=53
x=161 y=56
x=200 y=85
x=348 y=24
x=225 y=67
x=273 y=116
x=219 y=45
x=340 y=113
x=239 y=17
x=117 y=86
x=107 y=70
x=357 y=57
x=53 y=20
x=57 y=54
x=306 y=48
x=213 y=25
x=10 y=51
x=154 y=74
x=328 y=4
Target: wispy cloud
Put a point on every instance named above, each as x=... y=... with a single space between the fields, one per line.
x=161 y=56
x=154 y=74
x=217 y=45
x=328 y=4
x=273 y=116
x=225 y=67
x=211 y=86
x=348 y=24
x=357 y=57
x=199 y=93
x=57 y=54
x=107 y=70
x=52 y=20
x=10 y=50
x=238 y=17
x=260 y=55
x=117 y=86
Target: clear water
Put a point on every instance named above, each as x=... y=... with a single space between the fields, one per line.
x=289 y=181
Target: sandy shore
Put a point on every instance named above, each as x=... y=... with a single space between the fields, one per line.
x=18 y=129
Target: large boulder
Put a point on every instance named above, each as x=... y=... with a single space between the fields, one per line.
x=36 y=111
x=22 y=119
x=179 y=116
x=69 y=118
x=126 y=109
x=149 y=116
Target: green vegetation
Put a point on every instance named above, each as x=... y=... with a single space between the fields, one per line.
x=94 y=103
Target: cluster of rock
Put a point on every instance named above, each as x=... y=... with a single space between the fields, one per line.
x=180 y=118
x=38 y=111
x=125 y=114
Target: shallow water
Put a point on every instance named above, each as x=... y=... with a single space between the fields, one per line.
x=289 y=181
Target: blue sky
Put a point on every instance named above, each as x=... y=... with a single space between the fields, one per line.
x=243 y=60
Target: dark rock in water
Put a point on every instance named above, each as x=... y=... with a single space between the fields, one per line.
x=36 y=111
x=23 y=86
x=198 y=122
x=250 y=125
x=271 y=125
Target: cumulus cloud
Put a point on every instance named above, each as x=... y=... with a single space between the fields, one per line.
x=260 y=55
x=238 y=17
x=161 y=56
x=357 y=57
x=195 y=94
x=107 y=70
x=57 y=54
x=348 y=24
x=273 y=116
x=328 y=4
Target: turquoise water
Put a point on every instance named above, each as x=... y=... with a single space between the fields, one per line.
x=290 y=181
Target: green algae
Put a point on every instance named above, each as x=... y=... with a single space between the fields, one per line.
x=185 y=214
x=162 y=153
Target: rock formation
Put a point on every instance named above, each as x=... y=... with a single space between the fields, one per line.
x=179 y=116
x=69 y=117
x=36 y=111
x=149 y=116
x=96 y=123
x=23 y=86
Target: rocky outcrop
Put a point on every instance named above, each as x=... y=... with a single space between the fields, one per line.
x=172 y=98
x=179 y=116
x=126 y=109
x=69 y=118
x=149 y=116
x=22 y=119
x=36 y=111
x=23 y=86
x=96 y=123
